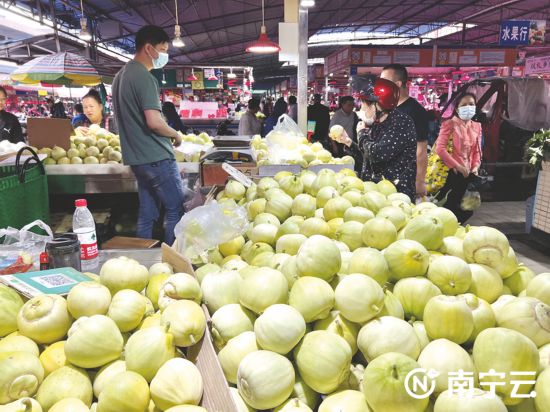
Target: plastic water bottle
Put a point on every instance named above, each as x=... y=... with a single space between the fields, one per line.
x=84 y=227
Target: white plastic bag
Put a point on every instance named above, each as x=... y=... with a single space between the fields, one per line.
x=207 y=226
x=190 y=152
x=23 y=246
x=286 y=125
x=283 y=142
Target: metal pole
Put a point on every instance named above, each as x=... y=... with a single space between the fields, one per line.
x=302 y=69
x=54 y=21
x=326 y=90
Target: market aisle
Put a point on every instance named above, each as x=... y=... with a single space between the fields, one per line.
x=509 y=217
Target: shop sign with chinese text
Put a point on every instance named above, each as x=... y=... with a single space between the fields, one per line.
x=522 y=32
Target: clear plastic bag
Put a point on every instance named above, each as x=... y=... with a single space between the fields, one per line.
x=286 y=125
x=207 y=226
x=20 y=248
x=470 y=201
x=284 y=141
x=190 y=152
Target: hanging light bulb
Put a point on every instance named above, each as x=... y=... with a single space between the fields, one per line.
x=163 y=81
x=84 y=33
x=192 y=77
x=177 y=42
x=307 y=3
x=263 y=45
x=231 y=75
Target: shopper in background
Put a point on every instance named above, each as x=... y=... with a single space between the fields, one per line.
x=319 y=113
x=94 y=113
x=279 y=109
x=172 y=117
x=347 y=118
x=10 y=128
x=398 y=74
x=250 y=125
x=267 y=107
x=464 y=158
x=293 y=108
x=58 y=110
x=145 y=137
x=386 y=136
x=79 y=117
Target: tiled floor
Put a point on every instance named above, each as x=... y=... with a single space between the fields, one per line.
x=509 y=217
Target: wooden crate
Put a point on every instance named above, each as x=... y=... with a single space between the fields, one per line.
x=541 y=219
x=212 y=174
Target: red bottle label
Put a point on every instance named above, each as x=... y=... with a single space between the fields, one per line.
x=88 y=244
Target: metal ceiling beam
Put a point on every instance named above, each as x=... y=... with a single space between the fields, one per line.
x=217 y=23
x=138 y=12
x=98 y=12
x=416 y=13
x=462 y=20
x=314 y=26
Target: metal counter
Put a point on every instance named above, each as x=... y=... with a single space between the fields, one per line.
x=101 y=178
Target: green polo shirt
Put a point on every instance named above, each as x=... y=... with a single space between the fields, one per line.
x=134 y=91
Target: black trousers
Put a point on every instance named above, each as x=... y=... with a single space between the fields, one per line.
x=454 y=189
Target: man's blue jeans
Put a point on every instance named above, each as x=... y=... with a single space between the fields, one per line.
x=159 y=184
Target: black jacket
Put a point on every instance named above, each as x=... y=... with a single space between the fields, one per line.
x=389 y=150
x=320 y=114
x=10 y=129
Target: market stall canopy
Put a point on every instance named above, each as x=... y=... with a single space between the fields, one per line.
x=63 y=68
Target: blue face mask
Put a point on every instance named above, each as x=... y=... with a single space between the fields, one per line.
x=160 y=61
x=467 y=112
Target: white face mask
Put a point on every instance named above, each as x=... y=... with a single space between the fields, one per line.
x=369 y=121
x=466 y=112
x=366 y=114
x=160 y=61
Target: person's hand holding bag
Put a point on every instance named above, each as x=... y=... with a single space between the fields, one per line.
x=463 y=170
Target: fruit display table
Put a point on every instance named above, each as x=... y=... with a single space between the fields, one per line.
x=541 y=219
x=102 y=178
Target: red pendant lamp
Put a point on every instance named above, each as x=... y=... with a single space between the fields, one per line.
x=192 y=77
x=213 y=76
x=263 y=45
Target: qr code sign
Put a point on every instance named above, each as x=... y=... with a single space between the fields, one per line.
x=54 y=280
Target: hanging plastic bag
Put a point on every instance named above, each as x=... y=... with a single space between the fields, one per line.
x=470 y=201
x=205 y=227
x=20 y=248
x=283 y=142
x=286 y=125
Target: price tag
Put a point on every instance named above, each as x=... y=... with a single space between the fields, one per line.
x=237 y=175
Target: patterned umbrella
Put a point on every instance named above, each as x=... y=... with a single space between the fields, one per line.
x=63 y=68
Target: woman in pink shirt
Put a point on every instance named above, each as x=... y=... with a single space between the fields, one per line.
x=465 y=157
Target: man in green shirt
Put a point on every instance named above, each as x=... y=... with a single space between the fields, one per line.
x=145 y=138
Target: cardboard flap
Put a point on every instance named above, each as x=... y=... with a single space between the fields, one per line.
x=216 y=396
x=43 y=132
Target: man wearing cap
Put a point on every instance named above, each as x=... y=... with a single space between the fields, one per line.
x=387 y=137
x=320 y=114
